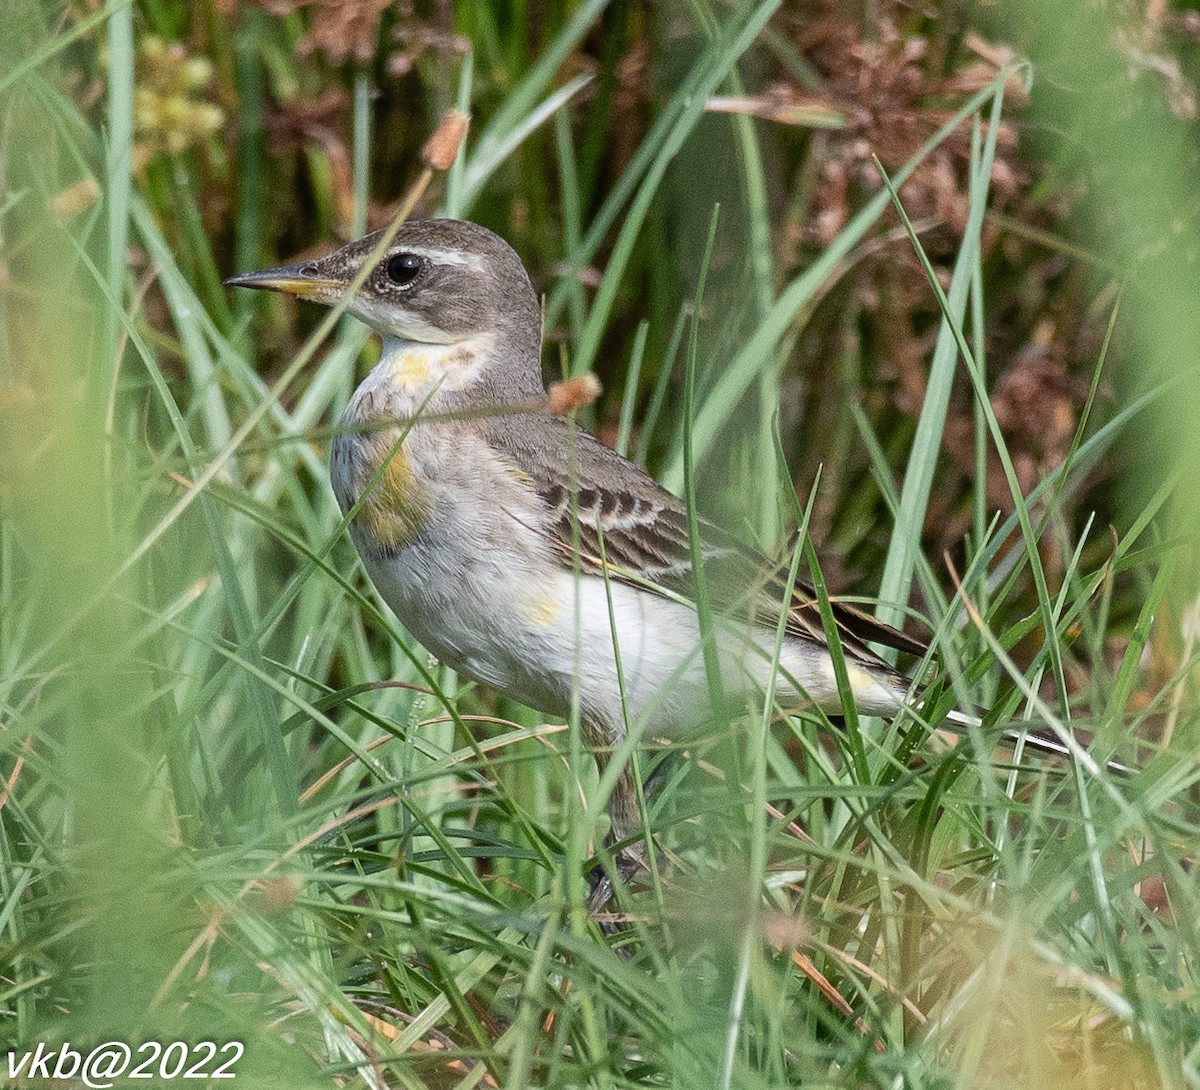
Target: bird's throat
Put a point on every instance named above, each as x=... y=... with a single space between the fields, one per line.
x=417 y=368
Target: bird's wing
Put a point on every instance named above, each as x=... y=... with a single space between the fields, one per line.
x=598 y=504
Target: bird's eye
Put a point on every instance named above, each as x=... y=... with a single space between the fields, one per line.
x=403 y=269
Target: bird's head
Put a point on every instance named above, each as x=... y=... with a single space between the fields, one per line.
x=437 y=283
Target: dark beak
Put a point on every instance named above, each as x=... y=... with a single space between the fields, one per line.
x=303 y=279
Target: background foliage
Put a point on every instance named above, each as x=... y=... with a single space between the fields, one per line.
x=236 y=800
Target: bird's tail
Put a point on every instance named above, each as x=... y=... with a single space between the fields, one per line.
x=1044 y=741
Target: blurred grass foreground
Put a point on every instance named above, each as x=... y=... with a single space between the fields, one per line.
x=238 y=803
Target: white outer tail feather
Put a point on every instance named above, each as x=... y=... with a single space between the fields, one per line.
x=962 y=722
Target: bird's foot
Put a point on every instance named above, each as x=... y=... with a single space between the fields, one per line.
x=603 y=883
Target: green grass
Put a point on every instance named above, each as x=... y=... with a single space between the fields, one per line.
x=238 y=802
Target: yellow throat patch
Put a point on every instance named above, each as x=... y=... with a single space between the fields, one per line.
x=409 y=368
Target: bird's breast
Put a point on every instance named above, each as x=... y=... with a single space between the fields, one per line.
x=374 y=472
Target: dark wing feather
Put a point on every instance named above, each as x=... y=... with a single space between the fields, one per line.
x=645 y=536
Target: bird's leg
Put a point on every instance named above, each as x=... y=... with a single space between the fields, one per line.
x=625 y=822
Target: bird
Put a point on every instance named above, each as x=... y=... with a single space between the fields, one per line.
x=523 y=552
